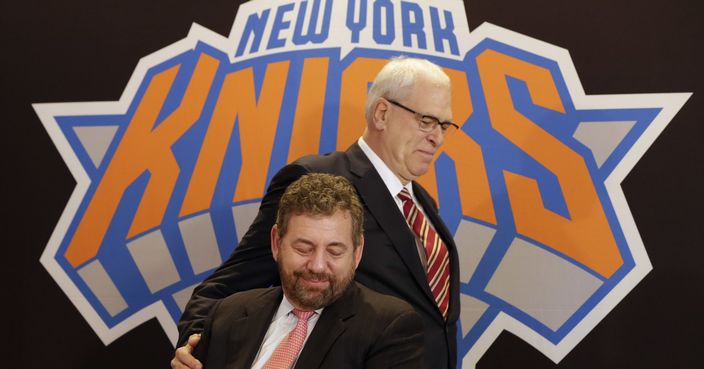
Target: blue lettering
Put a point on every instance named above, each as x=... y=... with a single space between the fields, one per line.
x=447 y=33
x=278 y=26
x=298 y=37
x=388 y=8
x=255 y=24
x=356 y=27
x=412 y=27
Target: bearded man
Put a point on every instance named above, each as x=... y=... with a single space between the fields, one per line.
x=319 y=317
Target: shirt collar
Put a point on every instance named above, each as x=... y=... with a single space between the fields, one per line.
x=286 y=307
x=393 y=184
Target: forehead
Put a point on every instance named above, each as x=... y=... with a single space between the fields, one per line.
x=319 y=228
x=431 y=98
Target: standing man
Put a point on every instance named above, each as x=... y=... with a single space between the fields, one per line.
x=319 y=317
x=409 y=252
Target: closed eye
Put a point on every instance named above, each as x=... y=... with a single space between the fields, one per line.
x=337 y=250
x=302 y=248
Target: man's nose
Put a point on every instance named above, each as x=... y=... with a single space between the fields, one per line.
x=317 y=262
x=436 y=136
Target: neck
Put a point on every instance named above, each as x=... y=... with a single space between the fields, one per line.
x=375 y=143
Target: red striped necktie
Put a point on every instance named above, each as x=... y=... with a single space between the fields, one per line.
x=435 y=251
x=287 y=351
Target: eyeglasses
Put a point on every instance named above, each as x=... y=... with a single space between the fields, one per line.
x=426 y=123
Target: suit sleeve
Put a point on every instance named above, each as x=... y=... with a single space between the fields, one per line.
x=400 y=345
x=200 y=352
x=251 y=265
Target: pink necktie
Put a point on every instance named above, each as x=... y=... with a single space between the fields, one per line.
x=287 y=351
x=435 y=251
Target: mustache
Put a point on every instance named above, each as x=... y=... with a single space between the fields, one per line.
x=314 y=276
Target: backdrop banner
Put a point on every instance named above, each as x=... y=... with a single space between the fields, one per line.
x=170 y=175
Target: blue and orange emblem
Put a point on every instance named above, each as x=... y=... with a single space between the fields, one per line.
x=170 y=176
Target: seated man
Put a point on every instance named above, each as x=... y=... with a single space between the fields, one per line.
x=319 y=317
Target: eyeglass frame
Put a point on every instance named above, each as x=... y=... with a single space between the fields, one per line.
x=423 y=119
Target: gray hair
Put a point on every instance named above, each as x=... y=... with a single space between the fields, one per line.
x=398 y=76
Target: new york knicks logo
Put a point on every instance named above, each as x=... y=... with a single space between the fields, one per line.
x=171 y=175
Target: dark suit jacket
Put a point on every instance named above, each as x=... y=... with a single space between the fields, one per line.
x=363 y=329
x=390 y=263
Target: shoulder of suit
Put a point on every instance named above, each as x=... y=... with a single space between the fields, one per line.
x=381 y=304
x=322 y=163
x=249 y=295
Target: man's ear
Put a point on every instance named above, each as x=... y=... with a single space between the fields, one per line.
x=380 y=112
x=358 y=252
x=275 y=240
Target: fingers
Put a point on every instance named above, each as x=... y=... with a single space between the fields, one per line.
x=183 y=359
x=193 y=341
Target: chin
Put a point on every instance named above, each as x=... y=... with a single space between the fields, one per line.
x=421 y=170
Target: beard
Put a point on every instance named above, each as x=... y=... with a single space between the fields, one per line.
x=312 y=298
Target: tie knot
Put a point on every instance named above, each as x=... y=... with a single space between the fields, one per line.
x=404 y=195
x=303 y=315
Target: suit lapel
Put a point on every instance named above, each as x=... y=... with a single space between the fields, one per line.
x=330 y=325
x=247 y=332
x=383 y=208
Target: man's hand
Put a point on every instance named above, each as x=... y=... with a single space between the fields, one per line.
x=183 y=359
